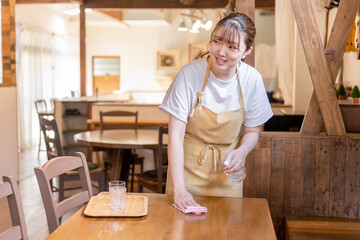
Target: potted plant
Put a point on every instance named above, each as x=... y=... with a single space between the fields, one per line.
x=355 y=94
x=341 y=93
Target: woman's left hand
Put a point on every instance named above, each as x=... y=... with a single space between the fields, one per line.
x=238 y=161
x=248 y=142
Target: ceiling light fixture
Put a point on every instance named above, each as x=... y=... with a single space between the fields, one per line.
x=182 y=27
x=197 y=21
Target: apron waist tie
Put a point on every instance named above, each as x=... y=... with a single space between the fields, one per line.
x=204 y=152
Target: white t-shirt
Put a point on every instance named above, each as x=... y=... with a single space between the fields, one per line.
x=219 y=95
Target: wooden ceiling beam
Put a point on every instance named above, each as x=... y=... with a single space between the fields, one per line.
x=47 y=1
x=265 y=4
x=115 y=14
x=318 y=66
x=334 y=51
x=260 y=4
x=153 y=4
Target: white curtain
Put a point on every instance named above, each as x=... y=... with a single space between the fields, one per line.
x=47 y=67
x=285 y=38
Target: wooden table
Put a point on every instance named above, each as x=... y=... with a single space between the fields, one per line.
x=122 y=139
x=227 y=218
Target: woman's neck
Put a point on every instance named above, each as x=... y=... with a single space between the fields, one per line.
x=225 y=74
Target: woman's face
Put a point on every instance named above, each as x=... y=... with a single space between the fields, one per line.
x=225 y=55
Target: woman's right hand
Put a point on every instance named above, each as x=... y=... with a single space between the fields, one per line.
x=183 y=199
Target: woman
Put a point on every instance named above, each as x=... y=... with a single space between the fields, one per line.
x=208 y=102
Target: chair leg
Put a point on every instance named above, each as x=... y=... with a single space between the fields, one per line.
x=61 y=188
x=140 y=188
x=102 y=182
x=39 y=144
x=132 y=177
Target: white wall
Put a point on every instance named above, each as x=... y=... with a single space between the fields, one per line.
x=137 y=47
x=9 y=164
x=265 y=28
x=47 y=17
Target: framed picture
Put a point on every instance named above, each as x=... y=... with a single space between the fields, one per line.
x=196 y=50
x=168 y=60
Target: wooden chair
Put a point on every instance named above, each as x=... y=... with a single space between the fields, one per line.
x=134 y=159
x=155 y=180
x=57 y=167
x=9 y=189
x=40 y=106
x=41 y=109
x=54 y=149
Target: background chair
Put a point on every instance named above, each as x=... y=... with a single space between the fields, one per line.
x=9 y=189
x=54 y=149
x=134 y=158
x=155 y=180
x=57 y=167
x=42 y=110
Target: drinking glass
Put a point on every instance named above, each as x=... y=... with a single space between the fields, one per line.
x=117 y=191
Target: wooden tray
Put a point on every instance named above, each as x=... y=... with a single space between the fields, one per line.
x=99 y=206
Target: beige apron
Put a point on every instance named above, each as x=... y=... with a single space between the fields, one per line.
x=208 y=138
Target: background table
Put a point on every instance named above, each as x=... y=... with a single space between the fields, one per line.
x=122 y=139
x=227 y=218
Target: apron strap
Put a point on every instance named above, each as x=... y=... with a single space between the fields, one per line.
x=242 y=106
x=207 y=73
x=204 y=152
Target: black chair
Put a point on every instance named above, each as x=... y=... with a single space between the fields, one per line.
x=42 y=110
x=155 y=180
x=131 y=123
x=54 y=149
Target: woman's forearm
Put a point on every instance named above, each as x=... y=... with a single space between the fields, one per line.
x=249 y=140
x=176 y=152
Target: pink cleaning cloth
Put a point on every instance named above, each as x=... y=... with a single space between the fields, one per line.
x=192 y=209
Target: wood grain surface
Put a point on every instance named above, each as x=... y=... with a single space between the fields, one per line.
x=337 y=43
x=120 y=139
x=99 y=206
x=227 y=218
x=319 y=70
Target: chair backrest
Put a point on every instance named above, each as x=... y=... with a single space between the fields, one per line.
x=54 y=168
x=52 y=137
x=9 y=189
x=161 y=161
x=40 y=106
x=52 y=103
x=116 y=114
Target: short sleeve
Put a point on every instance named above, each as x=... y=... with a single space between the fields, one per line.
x=258 y=109
x=176 y=101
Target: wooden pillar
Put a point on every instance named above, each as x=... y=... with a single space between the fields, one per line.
x=8 y=41
x=318 y=66
x=334 y=55
x=247 y=7
x=82 y=52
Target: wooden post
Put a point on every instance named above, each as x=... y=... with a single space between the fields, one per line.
x=8 y=41
x=82 y=51
x=247 y=7
x=334 y=54
x=318 y=66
